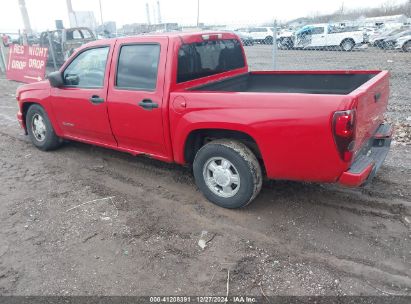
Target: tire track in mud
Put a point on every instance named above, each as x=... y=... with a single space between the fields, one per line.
x=361 y=269
x=147 y=181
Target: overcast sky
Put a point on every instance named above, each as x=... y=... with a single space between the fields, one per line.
x=42 y=13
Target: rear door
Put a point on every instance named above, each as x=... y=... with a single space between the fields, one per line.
x=136 y=95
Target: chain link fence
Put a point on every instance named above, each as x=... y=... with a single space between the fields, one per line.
x=309 y=50
x=320 y=47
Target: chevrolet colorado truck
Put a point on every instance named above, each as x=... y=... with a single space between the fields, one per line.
x=190 y=98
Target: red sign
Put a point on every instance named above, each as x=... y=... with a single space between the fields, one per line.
x=27 y=63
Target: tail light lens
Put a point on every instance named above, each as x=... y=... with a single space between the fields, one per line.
x=343 y=129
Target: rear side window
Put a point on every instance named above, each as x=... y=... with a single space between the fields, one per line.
x=317 y=30
x=207 y=58
x=137 y=67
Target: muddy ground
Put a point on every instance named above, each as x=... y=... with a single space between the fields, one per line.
x=89 y=221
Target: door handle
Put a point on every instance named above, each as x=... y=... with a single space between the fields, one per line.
x=377 y=97
x=96 y=99
x=148 y=104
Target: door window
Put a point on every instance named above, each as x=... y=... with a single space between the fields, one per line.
x=137 y=67
x=317 y=30
x=87 y=70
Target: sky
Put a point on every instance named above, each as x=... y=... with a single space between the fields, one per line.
x=42 y=13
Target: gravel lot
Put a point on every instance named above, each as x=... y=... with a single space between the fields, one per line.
x=89 y=221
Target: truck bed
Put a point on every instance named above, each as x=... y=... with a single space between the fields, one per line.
x=307 y=83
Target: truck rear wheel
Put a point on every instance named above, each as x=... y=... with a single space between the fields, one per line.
x=347 y=45
x=40 y=130
x=227 y=173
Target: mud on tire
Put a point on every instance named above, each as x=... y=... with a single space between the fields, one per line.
x=235 y=168
x=40 y=130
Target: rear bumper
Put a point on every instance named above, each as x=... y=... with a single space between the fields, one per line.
x=369 y=160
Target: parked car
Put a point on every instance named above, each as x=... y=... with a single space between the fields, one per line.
x=30 y=39
x=404 y=43
x=262 y=35
x=6 y=39
x=378 y=40
x=66 y=41
x=326 y=35
x=246 y=39
x=13 y=38
x=389 y=43
x=285 y=39
x=190 y=98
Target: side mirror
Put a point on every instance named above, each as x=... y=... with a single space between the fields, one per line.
x=71 y=79
x=56 y=79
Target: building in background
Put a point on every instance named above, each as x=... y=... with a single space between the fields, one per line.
x=142 y=28
x=108 y=29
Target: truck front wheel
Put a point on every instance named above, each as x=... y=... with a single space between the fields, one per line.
x=407 y=46
x=268 y=40
x=40 y=130
x=227 y=173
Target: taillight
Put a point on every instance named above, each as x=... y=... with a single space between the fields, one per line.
x=343 y=129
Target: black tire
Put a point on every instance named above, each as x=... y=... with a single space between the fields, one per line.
x=407 y=46
x=50 y=141
x=268 y=40
x=347 y=45
x=244 y=164
x=286 y=44
x=379 y=44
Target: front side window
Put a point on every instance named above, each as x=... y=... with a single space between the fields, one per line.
x=87 y=69
x=201 y=59
x=137 y=67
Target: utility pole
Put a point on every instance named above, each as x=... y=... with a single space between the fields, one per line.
x=101 y=13
x=198 y=13
x=25 y=16
x=158 y=12
x=275 y=49
x=148 y=13
x=71 y=14
x=153 y=11
x=2 y=57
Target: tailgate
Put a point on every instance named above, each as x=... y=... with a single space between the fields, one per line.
x=372 y=100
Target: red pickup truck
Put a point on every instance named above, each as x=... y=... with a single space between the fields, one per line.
x=190 y=98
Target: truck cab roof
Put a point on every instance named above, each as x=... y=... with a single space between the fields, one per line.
x=185 y=37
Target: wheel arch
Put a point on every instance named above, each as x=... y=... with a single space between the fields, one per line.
x=404 y=44
x=26 y=104
x=24 y=109
x=197 y=138
x=347 y=39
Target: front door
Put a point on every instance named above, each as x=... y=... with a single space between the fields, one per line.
x=80 y=106
x=318 y=37
x=135 y=98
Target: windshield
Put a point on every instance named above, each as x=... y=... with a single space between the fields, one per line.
x=207 y=58
x=393 y=32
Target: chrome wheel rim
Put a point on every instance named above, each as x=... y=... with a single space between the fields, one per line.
x=347 y=46
x=38 y=127
x=221 y=177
